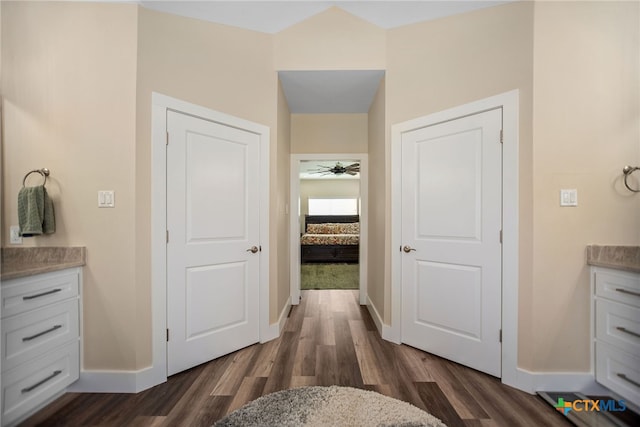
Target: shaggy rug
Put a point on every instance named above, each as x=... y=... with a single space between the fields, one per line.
x=328 y=406
x=329 y=276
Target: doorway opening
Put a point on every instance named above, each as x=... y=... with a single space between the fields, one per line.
x=328 y=223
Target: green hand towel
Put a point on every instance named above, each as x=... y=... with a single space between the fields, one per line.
x=35 y=211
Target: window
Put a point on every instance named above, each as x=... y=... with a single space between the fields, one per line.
x=333 y=206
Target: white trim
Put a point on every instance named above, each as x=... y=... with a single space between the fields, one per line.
x=510 y=107
x=584 y=382
x=160 y=105
x=114 y=381
x=294 y=225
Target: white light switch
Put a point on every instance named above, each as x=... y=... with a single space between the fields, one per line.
x=569 y=197
x=106 y=199
x=14 y=235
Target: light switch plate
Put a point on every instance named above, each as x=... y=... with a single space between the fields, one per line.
x=106 y=199
x=14 y=235
x=569 y=197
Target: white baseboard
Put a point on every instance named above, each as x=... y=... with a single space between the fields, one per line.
x=275 y=329
x=533 y=382
x=385 y=331
x=115 y=381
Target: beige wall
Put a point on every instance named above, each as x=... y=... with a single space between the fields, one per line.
x=462 y=59
x=194 y=61
x=331 y=40
x=77 y=81
x=586 y=117
x=68 y=83
x=284 y=180
x=329 y=133
x=326 y=189
x=379 y=196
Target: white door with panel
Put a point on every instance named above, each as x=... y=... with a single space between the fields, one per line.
x=451 y=237
x=213 y=254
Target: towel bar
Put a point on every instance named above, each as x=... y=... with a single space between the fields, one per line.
x=44 y=172
x=627 y=171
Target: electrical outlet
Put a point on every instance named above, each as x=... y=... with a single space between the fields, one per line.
x=14 y=235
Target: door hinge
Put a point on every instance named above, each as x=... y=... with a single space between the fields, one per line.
x=500 y=335
x=167 y=141
x=500 y=236
x=501 y=136
x=167 y=236
x=167 y=334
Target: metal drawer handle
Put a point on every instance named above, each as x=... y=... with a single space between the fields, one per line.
x=626 y=331
x=624 y=291
x=39 y=383
x=629 y=380
x=28 y=297
x=39 y=334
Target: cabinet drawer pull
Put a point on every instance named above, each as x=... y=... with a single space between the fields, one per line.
x=625 y=291
x=39 y=383
x=52 y=291
x=629 y=380
x=626 y=331
x=39 y=334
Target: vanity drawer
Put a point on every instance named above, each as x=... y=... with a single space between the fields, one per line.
x=621 y=287
x=36 y=382
x=28 y=293
x=619 y=371
x=618 y=324
x=28 y=335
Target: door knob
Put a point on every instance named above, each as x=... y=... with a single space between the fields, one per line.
x=253 y=249
x=408 y=249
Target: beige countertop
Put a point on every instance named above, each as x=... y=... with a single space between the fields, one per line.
x=21 y=262
x=625 y=258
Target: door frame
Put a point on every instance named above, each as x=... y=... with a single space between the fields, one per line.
x=160 y=105
x=508 y=101
x=294 y=223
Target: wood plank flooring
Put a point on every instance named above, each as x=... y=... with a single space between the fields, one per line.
x=328 y=339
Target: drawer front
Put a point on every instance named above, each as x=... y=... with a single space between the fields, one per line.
x=32 y=384
x=619 y=371
x=621 y=287
x=31 y=334
x=618 y=324
x=28 y=293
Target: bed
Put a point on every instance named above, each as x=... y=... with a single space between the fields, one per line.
x=330 y=239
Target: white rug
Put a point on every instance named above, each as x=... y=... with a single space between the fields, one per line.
x=328 y=406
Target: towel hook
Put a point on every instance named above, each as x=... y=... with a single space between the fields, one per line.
x=627 y=171
x=44 y=172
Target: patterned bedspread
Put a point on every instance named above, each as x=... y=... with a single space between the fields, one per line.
x=330 y=239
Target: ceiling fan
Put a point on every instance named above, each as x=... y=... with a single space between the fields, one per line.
x=339 y=169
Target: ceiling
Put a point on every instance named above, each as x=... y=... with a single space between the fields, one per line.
x=319 y=92
x=274 y=16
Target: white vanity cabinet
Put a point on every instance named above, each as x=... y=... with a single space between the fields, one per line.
x=616 y=308
x=40 y=340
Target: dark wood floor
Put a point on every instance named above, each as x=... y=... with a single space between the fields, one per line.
x=328 y=339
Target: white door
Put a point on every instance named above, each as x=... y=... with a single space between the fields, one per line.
x=213 y=225
x=451 y=226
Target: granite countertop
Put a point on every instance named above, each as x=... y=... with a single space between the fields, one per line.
x=21 y=262
x=619 y=257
